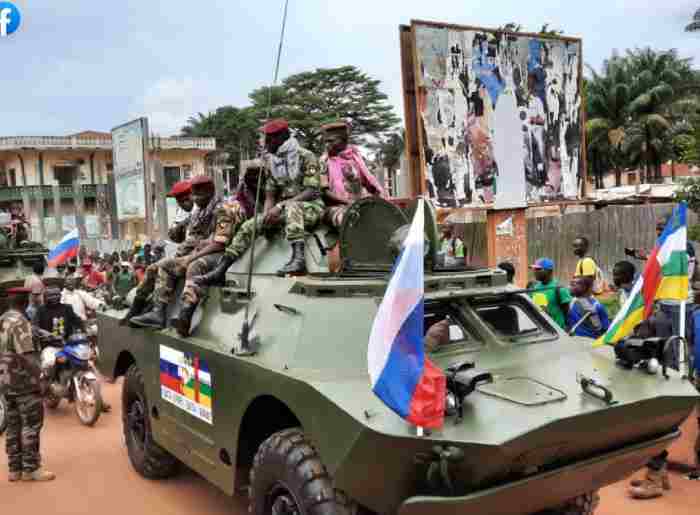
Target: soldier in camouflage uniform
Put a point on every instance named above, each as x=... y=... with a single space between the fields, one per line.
x=209 y=231
x=293 y=184
x=20 y=374
x=177 y=233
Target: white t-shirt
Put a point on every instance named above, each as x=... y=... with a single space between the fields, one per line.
x=80 y=301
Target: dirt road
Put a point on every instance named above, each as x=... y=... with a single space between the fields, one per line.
x=94 y=476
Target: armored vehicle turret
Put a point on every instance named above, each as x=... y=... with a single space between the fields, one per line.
x=272 y=391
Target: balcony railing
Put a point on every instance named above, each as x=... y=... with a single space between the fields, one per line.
x=71 y=142
x=12 y=194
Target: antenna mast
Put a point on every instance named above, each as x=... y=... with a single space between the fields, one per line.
x=245 y=332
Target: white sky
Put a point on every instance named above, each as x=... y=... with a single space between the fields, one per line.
x=77 y=64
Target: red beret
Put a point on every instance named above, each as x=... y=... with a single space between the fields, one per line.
x=180 y=188
x=201 y=180
x=274 y=126
x=19 y=290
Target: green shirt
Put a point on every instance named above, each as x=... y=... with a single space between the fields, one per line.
x=545 y=296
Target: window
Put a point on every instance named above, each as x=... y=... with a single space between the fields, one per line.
x=12 y=177
x=186 y=172
x=457 y=335
x=514 y=320
x=171 y=175
x=65 y=175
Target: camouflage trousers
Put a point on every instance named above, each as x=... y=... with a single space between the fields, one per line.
x=172 y=269
x=296 y=217
x=25 y=418
x=148 y=284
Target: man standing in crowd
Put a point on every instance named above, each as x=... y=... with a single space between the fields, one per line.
x=35 y=284
x=79 y=300
x=20 y=374
x=509 y=269
x=451 y=246
x=548 y=294
x=671 y=307
x=624 y=274
x=586 y=314
x=586 y=265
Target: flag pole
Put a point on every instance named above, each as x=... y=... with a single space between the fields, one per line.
x=681 y=329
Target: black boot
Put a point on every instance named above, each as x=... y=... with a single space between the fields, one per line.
x=218 y=275
x=184 y=319
x=297 y=263
x=135 y=309
x=154 y=318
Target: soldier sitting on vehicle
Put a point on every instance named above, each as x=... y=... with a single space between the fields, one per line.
x=348 y=177
x=209 y=220
x=229 y=218
x=292 y=200
x=243 y=206
x=177 y=232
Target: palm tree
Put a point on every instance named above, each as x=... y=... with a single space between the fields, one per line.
x=607 y=103
x=654 y=77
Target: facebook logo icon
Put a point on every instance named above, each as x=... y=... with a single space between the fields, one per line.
x=9 y=19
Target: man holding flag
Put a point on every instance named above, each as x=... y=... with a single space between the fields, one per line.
x=400 y=373
x=665 y=278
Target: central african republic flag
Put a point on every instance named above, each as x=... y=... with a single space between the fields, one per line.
x=665 y=277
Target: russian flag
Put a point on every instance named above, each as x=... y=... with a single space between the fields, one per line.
x=400 y=373
x=66 y=249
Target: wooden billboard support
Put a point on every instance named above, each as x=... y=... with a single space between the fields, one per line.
x=410 y=105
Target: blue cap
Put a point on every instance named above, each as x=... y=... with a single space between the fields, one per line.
x=543 y=264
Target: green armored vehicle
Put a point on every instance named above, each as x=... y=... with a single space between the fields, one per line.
x=17 y=256
x=537 y=421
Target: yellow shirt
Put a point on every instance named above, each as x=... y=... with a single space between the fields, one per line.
x=586 y=267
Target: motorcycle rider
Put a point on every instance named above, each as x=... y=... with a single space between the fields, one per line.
x=20 y=376
x=61 y=321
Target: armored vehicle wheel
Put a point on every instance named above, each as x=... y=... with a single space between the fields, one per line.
x=147 y=457
x=585 y=504
x=288 y=478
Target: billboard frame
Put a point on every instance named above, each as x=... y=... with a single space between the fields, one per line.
x=410 y=73
x=145 y=173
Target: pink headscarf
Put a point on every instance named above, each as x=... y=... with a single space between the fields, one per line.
x=335 y=172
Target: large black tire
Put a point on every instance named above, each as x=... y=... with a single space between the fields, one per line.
x=288 y=469
x=585 y=504
x=146 y=456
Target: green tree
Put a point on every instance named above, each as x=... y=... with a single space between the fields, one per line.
x=607 y=101
x=657 y=81
x=235 y=130
x=309 y=99
x=388 y=151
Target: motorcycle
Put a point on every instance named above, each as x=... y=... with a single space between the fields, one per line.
x=69 y=374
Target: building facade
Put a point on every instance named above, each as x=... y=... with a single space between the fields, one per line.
x=80 y=165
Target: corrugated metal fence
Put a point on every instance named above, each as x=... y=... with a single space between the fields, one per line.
x=609 y=230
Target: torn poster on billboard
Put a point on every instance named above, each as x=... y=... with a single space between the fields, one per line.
x=501 y=116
